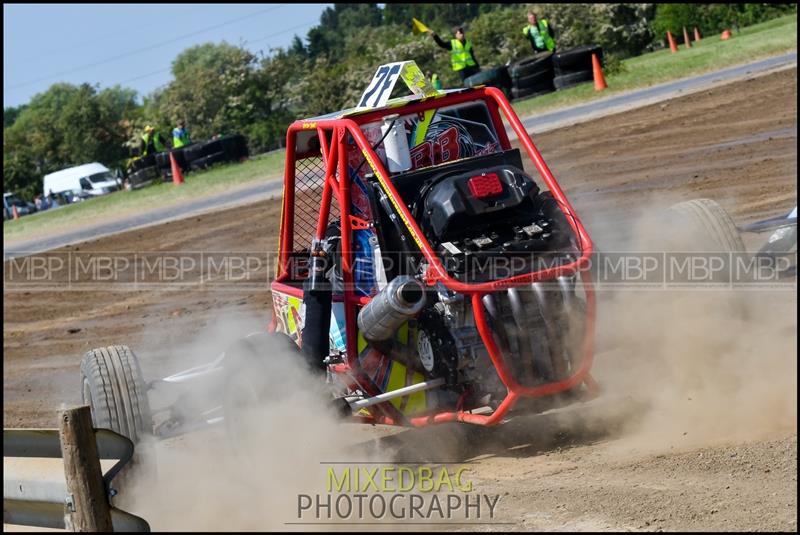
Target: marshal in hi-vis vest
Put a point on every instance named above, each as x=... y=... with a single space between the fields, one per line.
x=540 y=36
x=461 y=55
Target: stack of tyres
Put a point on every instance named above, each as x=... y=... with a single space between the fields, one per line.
x=143 y=176
x=532 y=76
x=231 y=148
x=495 y=77
x=143 y=171
x=574 y=66
x=206 y=154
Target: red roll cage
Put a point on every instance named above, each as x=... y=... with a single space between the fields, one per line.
x=334 y=158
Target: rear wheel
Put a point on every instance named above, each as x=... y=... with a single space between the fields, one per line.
x=712 y=226
x=112 y=385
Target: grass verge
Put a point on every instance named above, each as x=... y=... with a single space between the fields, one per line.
x=197 y=184
x=709 y=54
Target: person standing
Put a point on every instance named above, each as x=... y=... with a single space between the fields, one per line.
x=540 y=33
x=180 y=137
x=152 y=141
x=462 y=55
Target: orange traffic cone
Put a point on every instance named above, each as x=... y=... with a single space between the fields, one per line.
x=696 y=34
x=599 y=79
x=672 y=46
x=14 y=211
x=177 y=176
x=726 y=35
x=686 y=38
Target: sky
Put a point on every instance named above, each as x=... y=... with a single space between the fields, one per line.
x=132 y=45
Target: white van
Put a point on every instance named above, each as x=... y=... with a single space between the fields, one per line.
x=91 y=178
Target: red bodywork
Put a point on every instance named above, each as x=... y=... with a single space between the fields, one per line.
x=334 y=156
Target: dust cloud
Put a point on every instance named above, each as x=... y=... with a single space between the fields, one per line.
x=246 y=474
x=705 y=365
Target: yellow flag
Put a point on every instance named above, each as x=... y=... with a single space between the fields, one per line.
x=418 y=27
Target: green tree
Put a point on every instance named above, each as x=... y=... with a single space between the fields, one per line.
x=66 y=125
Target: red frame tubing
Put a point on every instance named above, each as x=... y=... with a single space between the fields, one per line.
x=337 y=155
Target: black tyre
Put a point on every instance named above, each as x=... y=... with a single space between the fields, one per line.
x=143 y=177
x=541 y=62
x=212 y=147
x=180 y=158
x=143 y=162
x=193 y=152
x=568 y=80
x=207 y=161
x=235 y=147
x=711 y=226
x=576 y=59
x=528 y=92
x=112 y=385
x=497 y=77
x=537 y=82
x=162 y=160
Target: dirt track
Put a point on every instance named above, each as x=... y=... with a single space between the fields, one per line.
x=736 y=144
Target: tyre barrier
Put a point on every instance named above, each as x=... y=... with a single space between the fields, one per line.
x=540 y=63
x=496 y=77
x=143 y=177
x=576 y=59
x=568 y=80
x=527 y=92
x=206 y=161
x=143 y=162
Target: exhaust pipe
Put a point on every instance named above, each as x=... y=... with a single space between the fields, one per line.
x=400 y=300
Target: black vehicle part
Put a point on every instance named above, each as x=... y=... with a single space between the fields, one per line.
x=436 y=347
x=538 y=64
x=453 y=203
x=568 y=80
x=317 y=298
x=112 y=385
x=542 y=326
x=576 y=59
x=206 y=161
x=409 y=184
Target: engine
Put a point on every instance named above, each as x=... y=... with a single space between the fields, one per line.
x=483 y=226
x=493 y=224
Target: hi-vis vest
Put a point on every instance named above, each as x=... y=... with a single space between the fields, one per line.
x=180 y=137
x=437 y=84
x=157 y=145
x=460 y=55
x=541 y=35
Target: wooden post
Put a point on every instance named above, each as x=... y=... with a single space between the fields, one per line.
x=90 y=509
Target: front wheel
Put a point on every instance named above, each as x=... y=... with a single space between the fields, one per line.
x=112 y=385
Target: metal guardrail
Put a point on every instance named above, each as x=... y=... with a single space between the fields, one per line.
x=52 y=504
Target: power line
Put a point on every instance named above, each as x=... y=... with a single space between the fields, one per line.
x=245 y=42
x=281 y=32
x=115 y=58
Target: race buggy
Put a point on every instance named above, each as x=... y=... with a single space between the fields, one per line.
x=428 y=270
